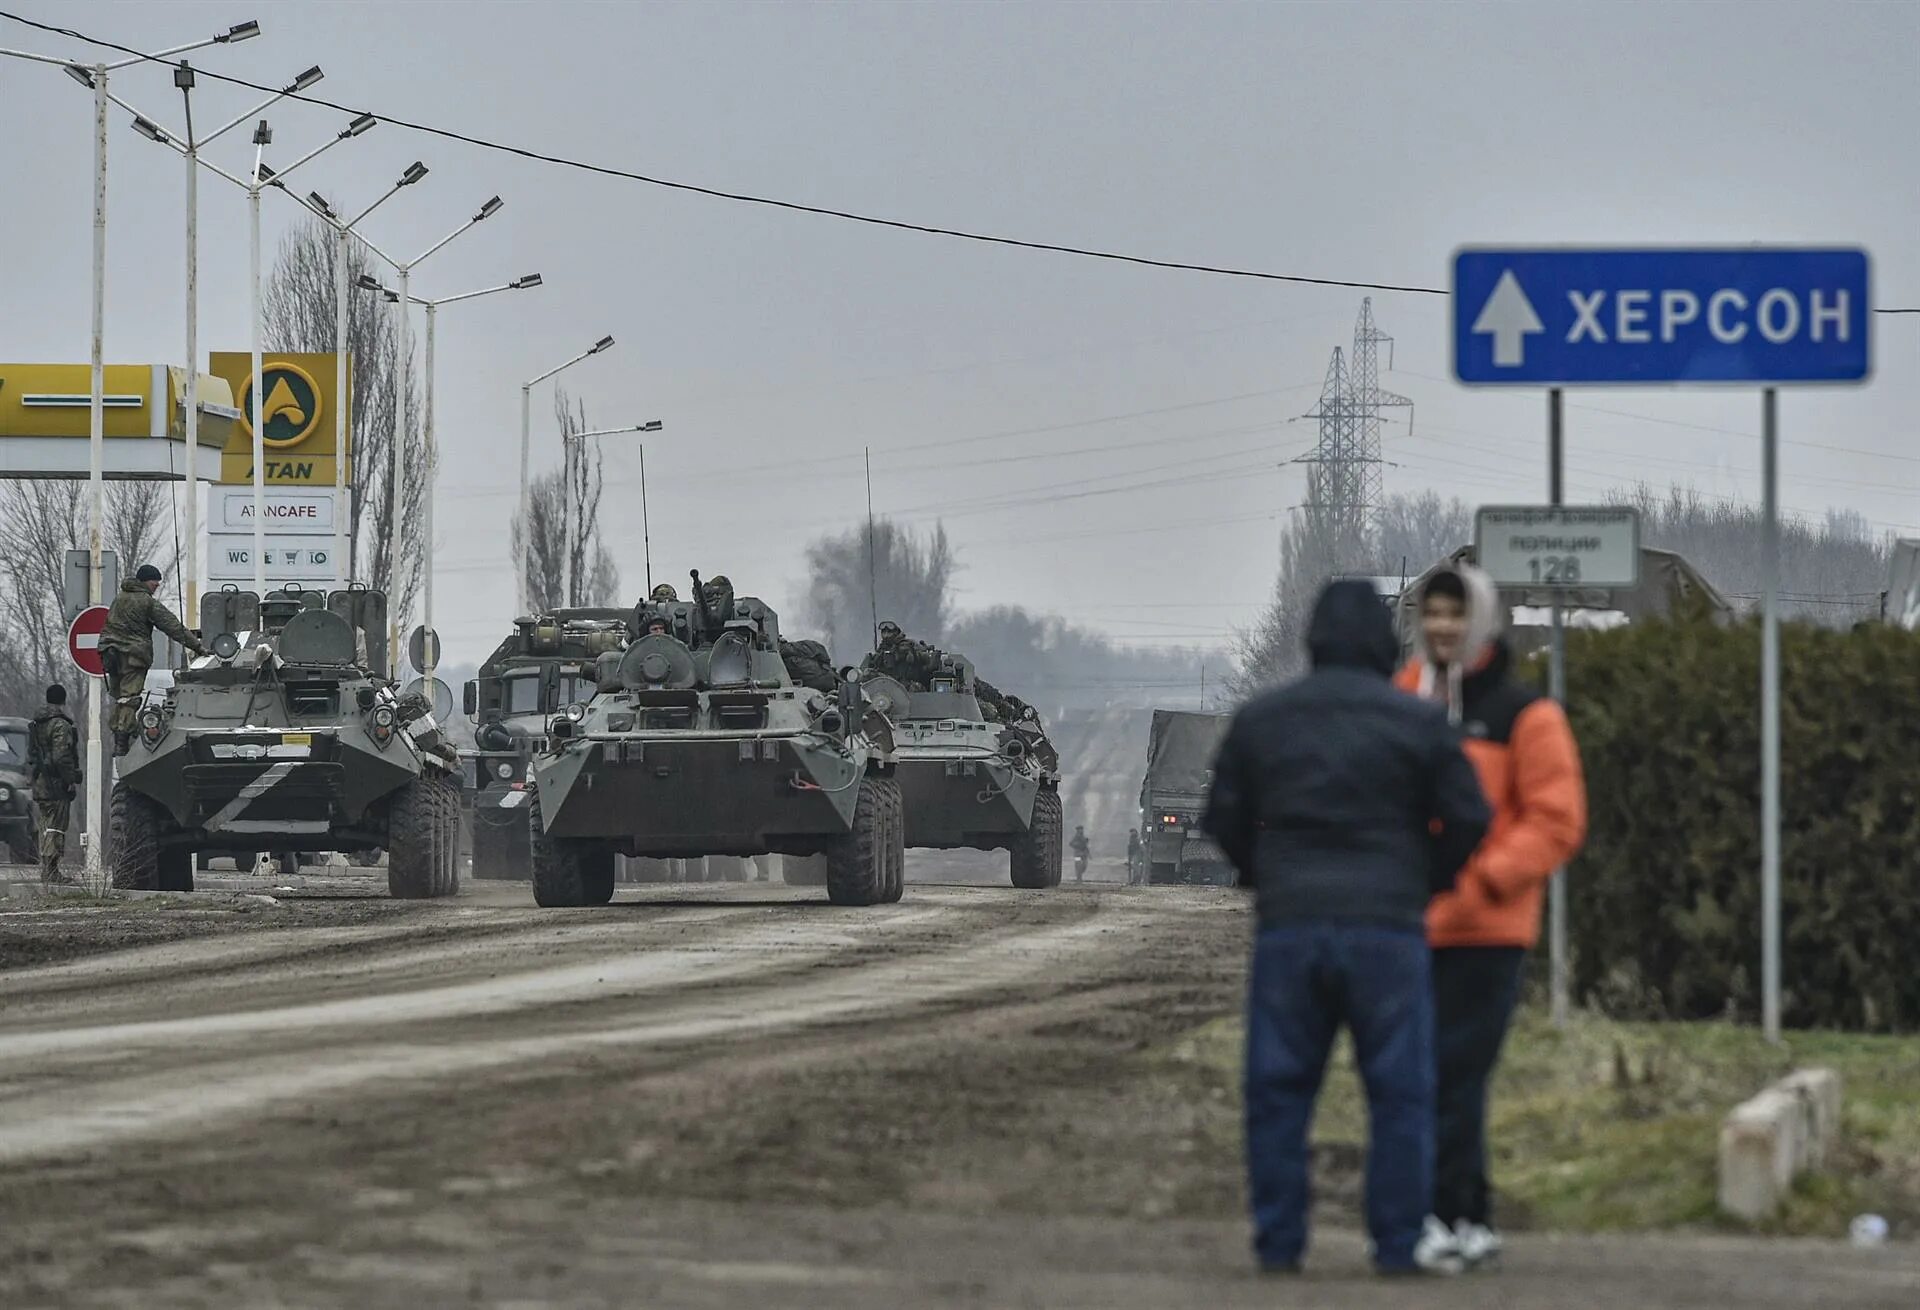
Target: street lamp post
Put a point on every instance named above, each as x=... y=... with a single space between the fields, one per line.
x=344 y=231
x=580 y=438
x=94 y=77
x=262 y=178
x=526 y=441
x=432 y=449
x=402 y=427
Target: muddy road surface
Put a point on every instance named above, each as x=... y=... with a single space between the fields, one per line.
x=711 y=1095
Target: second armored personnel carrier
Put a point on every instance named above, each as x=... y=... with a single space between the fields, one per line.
x=697 y=742
x=543 y=667
x=16 y=793
x=288 y=737
x=971 y=783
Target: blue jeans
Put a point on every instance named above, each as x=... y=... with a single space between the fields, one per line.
x=1309 y=978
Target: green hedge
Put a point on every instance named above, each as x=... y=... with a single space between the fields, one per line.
x=1665 y=900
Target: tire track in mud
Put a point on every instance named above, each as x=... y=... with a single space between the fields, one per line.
x=690 y=1012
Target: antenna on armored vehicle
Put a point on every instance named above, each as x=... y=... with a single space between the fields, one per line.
x=873 y=586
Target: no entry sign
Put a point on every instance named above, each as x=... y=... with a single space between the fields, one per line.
x=83 y=640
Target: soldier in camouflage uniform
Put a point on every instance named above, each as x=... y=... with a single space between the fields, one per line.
x=664 y=593
x=910 y=663
x=126 y=647
x=53 y=763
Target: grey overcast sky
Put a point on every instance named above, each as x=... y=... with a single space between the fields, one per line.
x=1350 y=140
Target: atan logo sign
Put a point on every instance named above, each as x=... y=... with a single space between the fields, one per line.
x=301 y=419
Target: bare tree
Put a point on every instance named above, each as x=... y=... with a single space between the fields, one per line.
x=299 y=307
x=40 y=520
x=563 y=560
x=907 y=577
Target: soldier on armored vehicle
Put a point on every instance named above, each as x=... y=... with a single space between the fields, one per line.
x=281 y=740
x=708 y=747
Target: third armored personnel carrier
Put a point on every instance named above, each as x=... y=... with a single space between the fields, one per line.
x=697 y=742
x=539 y=670
x=288 y=737
x=972 y=783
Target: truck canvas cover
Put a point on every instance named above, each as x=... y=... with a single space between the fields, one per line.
x=1180 y=749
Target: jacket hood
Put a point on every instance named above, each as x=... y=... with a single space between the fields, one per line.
x=46 y=712
x=1485 y=616
x=133 y=584
x=1351 y=630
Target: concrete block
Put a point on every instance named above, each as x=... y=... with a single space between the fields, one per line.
x=1765 y=1143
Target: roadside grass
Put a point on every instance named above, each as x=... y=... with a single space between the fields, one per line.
x=1614 y=1126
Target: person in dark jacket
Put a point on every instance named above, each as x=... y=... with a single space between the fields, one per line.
x=53 y=762
x=1346 y=806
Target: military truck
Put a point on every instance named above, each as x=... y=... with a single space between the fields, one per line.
x=16 y=792
x=697 y=742
x=971 y=783
x=539 y=670
x=288 y=737
x=1181 y=746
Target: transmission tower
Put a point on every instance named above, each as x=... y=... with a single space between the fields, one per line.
x=1346 y=484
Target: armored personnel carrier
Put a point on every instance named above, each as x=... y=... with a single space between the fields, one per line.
x=288 y=737
x=16 y=793
x=697 y=742
x=543 y=667
x=972 y=783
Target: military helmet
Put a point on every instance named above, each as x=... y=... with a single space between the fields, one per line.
x=889 y=630
x=664 y=591
x=720 y=581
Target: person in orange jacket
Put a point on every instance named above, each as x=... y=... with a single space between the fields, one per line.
x=1529 y=766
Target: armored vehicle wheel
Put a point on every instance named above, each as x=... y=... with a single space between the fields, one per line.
x=567 y=872
x=896 y=844
x=1034 y=857
x=137 y=823
x=858 y=862
x=423 y=829
x=1161 y=875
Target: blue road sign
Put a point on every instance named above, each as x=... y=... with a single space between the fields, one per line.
x=1757 y=315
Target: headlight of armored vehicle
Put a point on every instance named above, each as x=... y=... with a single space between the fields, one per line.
x=153 y=726
x=575 y=712
x=503 y=770
x=383 y=725
x=6 y=794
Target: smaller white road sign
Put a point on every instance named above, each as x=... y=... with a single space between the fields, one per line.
x=287 y=513
x=289 y=559
x=1563 y=546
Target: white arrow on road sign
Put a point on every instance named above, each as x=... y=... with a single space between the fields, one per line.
x=1509 y=318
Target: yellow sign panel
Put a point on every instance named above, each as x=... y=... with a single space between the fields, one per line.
x=299 y=412
x=55 y=400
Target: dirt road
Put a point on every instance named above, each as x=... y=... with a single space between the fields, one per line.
x=717 y=1095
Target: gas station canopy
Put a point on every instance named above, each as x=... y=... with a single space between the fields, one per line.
x=45 y=422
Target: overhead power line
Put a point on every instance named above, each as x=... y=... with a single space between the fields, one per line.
x=771 y=202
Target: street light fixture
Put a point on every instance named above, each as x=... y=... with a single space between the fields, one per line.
x=95 y=80
x=646 y=532
x=432 y=448
x=402 y=420
x=526 y=442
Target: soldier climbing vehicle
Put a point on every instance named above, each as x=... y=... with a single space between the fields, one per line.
x=972 y=783
x=289 y=737
x=698 y=742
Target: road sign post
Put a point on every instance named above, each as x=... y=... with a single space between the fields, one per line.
x=83 y=640
x=1754 y=315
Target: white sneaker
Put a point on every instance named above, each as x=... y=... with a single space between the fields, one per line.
x=1438 y=1250
x=1479 y=1246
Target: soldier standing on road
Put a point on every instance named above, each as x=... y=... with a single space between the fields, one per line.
x=1080 y=848
x=1346 y=805
x=1133 y=854
x=126 y=647
x=53 y=764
